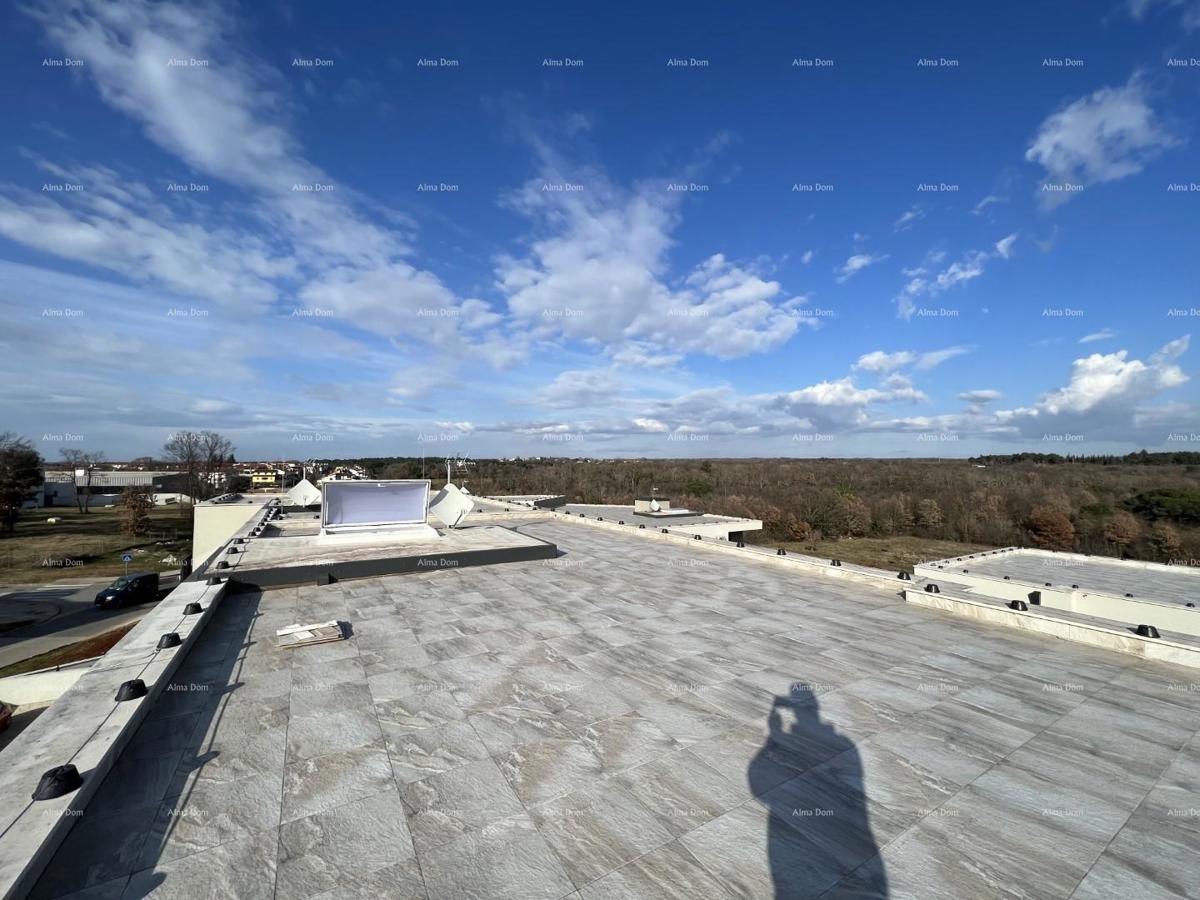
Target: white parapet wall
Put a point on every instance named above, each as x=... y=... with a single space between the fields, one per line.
x=216 y=521
x=1164 y=615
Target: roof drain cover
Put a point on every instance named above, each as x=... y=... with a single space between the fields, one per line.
x=57 y=782
x=131 y=690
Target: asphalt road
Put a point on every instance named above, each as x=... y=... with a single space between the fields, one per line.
x=62 y=614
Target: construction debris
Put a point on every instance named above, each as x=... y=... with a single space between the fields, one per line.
x=303 y=635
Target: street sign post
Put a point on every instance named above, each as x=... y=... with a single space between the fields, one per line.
x=127 y=558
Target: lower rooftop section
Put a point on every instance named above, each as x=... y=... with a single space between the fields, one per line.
x=642 y=719
x=284 y=555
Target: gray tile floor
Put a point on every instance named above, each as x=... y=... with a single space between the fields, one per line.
x=640 y=720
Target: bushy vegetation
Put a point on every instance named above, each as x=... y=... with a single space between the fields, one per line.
x=1141 y=507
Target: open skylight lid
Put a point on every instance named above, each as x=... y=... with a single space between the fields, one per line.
x=369 y=504
x=304 y=494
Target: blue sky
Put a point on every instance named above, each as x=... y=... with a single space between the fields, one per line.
x=928 y=241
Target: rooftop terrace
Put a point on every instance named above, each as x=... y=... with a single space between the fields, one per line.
x=641 y=718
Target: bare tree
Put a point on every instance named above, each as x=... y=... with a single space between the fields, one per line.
x=218 y=452
x=185 y=449
x=85 y=461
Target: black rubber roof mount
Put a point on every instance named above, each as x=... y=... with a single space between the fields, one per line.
x=193 y=609
x=131 y=690
x=1147 y=631
x=1020 y=605
x=57 y=782
x=781 y=552
x=169 y=640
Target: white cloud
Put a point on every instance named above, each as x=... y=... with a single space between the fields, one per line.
x=806 y=257
x=1104 y=394
x=1108 y=135
x=600 y=273
x=922 y=282
x=986 y=202
x=857 y=263
x=908 y=218
x=841 y=403
x=1102 y=335
x=879 y=361
x=1189 y=17
x=1004 y=246
x=935 y=358
x=580 y=389
x=979 y=396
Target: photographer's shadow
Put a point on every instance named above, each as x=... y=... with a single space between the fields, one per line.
x=819 y=837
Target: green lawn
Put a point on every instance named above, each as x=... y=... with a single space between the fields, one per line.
x=89 y=546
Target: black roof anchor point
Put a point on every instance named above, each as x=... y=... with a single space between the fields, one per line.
x=57 y=782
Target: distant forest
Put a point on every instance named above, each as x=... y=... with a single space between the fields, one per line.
x=1143 y=505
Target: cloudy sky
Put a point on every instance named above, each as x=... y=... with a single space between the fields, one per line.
x=844 y=229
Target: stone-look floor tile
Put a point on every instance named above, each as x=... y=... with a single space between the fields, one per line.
x=402 y=881
x=549 y=769
x=132 y=783
x=230 y=757
x=753 y=854
x=681 y=791
x=315 y=654
x=453 y=648
x=626 y=741
x=508 y=860
x=333 y=732
x=446 y=806
x=315 y=785
x=917 y=866
x=508 y=727
x=322 y=675
x=687 y=718
x=319 y=852
x=431 y=751
x=321 y=700
x=579 y=707
x=834 y=816
x=1160 y=841
x=1112 y=877
x=230 y=715
x=389 y=658
x=668 y=873
x=421 y=710
x=902 y=786
x=96 y=850
x=244 y=868
x=211 y=813
x=598 y=829
x=399 y=683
